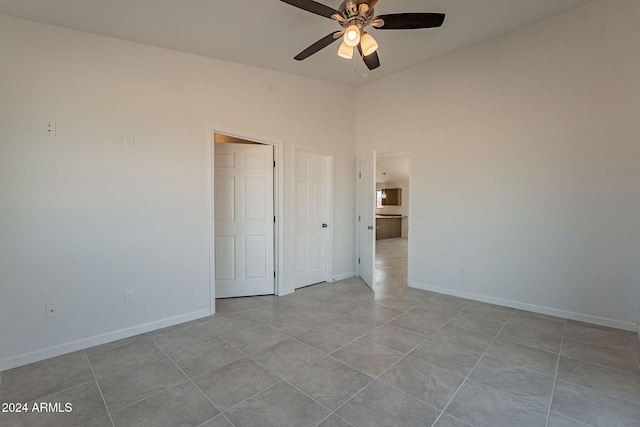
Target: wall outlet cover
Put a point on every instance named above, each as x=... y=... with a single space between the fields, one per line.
x=129 y=297
x=51 y=310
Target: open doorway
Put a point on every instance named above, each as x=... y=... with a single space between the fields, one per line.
x=244 y=227
x=393 y=174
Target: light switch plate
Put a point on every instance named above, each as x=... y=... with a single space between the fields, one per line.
x=129 y=141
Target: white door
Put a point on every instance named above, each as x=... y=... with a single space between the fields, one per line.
x=311 y=218
x=243 y=200
x=367 y=219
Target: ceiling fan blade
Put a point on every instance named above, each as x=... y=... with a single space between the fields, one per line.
x=317 y=46
x=371 y=61
x=410 y=21
x=313 y=7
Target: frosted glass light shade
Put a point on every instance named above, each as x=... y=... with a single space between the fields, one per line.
x=352 y=35
x=369 y=44
x=345 y=51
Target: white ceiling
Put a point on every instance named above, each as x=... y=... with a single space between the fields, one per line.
x=269 y=33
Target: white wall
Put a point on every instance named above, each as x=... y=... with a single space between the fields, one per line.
x=82 y=219
x=526 y=154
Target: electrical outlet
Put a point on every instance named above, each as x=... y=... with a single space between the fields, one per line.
x=129 y=297
x=50 y=128
x=51 y=310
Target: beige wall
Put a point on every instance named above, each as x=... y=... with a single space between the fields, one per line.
x=525 y=165
x=83 y=219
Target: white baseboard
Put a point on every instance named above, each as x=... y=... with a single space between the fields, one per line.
x=343 y=276
x=284 y=292
x=638 y=329
x=60 y=349
x=587 y=318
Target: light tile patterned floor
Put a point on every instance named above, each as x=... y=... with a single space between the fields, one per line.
x=339 y=355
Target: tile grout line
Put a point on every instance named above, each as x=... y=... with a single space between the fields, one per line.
x=376 y=378
x=555 y=376
x=325 y=355
x=95 y=378
x=629 y=338
x=453 y=396
x=191 y=381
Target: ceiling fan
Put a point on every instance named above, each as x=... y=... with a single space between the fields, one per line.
x=354 y=16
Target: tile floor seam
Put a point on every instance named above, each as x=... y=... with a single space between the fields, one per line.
x=601 y=366
x=631 y=337
x=281 y=378
x=373 y=381
x=528 y=345
x=324 y=355
x=453 y=396
x=636 y=403
x=377 y=378
x=145 y=398
x=190 y=380
x=252 y=396
x=331 y=411
x=573 y=419
x=555 y=377
x=337 y=415
x=404 y=392
x=352 y=367
x=104 y=401
x=112 y=348
x=533 y=371
x=130 y=367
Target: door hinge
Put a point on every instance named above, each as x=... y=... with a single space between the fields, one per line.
x=274 y=274
x=359 y=218
x=274 y=219
x=274 y=163
x=358 y=260
x=360 y=175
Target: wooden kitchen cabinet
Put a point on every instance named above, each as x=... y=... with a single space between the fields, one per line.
x=394 y=197
x=388 y=227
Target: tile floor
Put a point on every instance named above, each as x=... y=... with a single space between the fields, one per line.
x=339 y=355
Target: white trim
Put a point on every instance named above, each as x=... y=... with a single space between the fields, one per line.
x=60 y=349
x=328 y=158
x=587 y=318
x=638 y=329
x=344 y=276
x=278 y=206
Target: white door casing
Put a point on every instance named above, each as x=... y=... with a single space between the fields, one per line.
x=311 y=217
x=244 y=220
x=367 y=220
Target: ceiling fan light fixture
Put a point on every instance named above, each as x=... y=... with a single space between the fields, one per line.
x=345 y=51
x=352 y=35
x=368 y=44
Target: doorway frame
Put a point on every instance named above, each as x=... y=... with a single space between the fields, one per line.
x=329 y=162
x=409 y=155
x=278 y=204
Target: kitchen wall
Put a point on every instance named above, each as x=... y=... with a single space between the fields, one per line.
x=84 y=219
x=525 y=152
x=403 y=209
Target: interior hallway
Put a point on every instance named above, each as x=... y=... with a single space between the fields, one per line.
x=391 y=265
